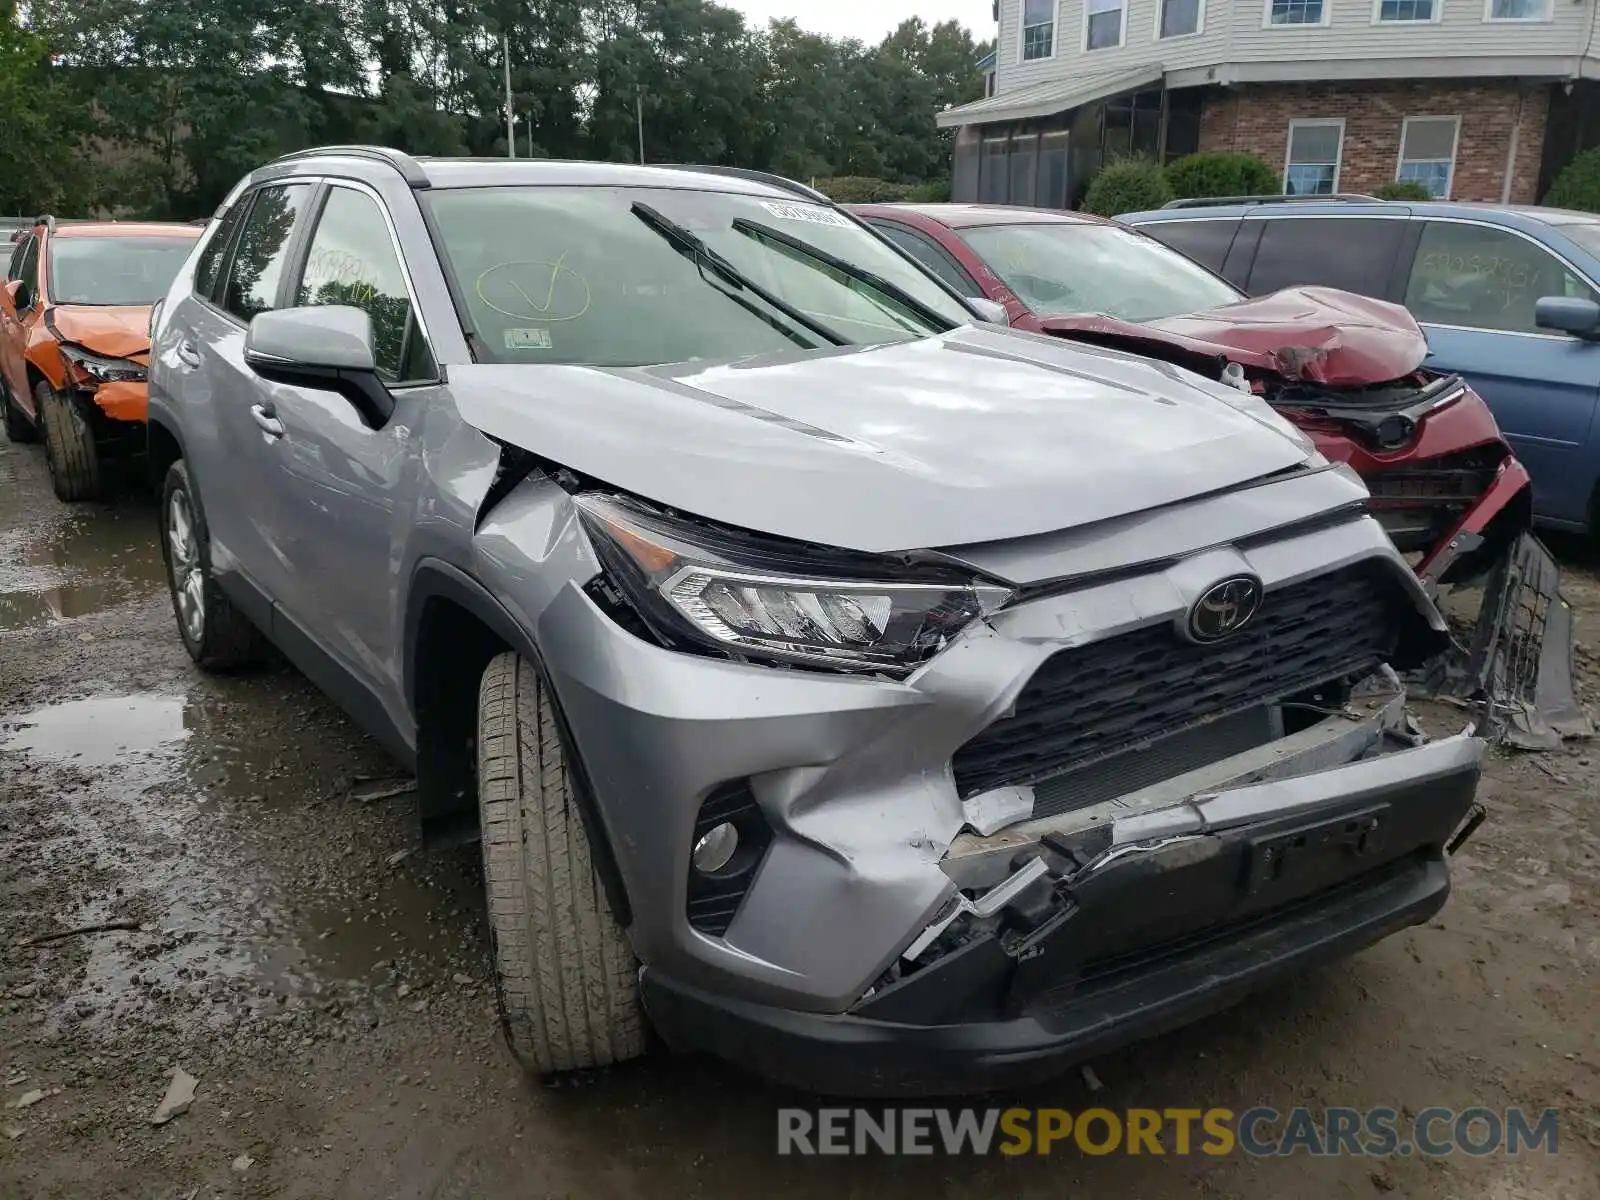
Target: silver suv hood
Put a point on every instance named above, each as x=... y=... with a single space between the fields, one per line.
x=978 y=435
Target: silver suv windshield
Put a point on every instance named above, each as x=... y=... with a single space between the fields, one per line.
x=574 y=275
x=1063 y=269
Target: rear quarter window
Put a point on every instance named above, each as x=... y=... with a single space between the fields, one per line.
x=1355 y=254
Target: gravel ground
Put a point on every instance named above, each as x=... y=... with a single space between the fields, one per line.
x=280 y=941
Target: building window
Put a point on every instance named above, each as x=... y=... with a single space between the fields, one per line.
x=1428 y=152
x=1517 y=10
x=1103 y=24
x=1038 y=29
x=1404 y=11
x=1312 y=165
x=1177 y=18
x=1299 y=12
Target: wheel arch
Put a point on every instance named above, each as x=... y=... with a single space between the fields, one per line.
x=453 y=627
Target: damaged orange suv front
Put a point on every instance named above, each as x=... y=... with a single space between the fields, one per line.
x=75 y=340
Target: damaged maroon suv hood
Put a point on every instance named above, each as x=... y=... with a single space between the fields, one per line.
x=1306 y=333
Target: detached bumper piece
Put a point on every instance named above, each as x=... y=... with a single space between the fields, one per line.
x=1106 y=941
x=1519 y=664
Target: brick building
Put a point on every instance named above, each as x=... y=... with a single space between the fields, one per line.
x=1476 y=99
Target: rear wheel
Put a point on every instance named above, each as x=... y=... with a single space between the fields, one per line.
x=217 y=636
x=18 y=427
x=569 y=995
x=68 y=445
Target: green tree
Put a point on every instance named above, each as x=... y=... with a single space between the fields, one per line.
x=43 y=119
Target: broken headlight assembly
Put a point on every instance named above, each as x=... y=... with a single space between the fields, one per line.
x=89 y=370
x=695 y=585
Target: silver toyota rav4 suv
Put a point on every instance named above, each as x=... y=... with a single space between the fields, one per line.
x=870 y=695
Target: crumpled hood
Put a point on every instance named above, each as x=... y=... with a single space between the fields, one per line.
x=976 y=435
x=116 y=332
x=1317 y=334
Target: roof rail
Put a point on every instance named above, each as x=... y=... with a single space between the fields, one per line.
x=410 y=170
x=1328 y=198
x=767 y=177
x=47 y=220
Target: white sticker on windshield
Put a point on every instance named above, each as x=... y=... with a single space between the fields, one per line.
x=528 y=339
x=812 y=214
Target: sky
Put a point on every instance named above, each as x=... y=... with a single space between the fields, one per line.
x=868 y=20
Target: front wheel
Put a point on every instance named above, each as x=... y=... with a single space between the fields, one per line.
x=569 y=995
x=68 y=445
x=216 y=634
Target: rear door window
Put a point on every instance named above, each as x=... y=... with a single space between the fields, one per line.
x=28 y=272
x=14 y=271
x=1480 y=277
x=1355 y=254
x=263 y=250
x=1206 y=242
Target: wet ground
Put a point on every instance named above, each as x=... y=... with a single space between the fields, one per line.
x=276 y=937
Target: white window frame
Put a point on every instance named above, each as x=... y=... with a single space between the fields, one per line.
x=1022 y=32
x=1327 y=16
x=1313 y=123
x=1438 y=12
x=1491 y=19
x=1199 y=23
x=1122 y=29
x=1400 y=156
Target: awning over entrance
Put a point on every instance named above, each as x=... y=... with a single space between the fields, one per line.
x=1045 y=99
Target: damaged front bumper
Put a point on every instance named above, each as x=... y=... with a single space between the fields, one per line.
x=1515 y=666
x=1075 y=935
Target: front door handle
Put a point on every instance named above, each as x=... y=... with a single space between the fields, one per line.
x=187 y=353
x=266 y=421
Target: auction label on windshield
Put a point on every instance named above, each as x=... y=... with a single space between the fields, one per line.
x=812 y=214
x=527 y=339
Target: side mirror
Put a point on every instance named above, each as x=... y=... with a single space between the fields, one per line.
x=328 y=347
x=1567 y=314
x=990 y=311
x=13 y=289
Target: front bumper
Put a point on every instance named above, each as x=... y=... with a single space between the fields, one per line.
x=1268 y=880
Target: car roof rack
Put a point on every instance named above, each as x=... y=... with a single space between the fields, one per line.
x=781 y=182
x=47 y=220
x=410 y=170
x=1329 y=198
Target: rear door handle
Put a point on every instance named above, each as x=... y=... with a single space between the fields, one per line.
x=266 y=421
x=187 y=353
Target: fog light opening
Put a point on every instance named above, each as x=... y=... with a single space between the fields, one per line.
x=716 y=849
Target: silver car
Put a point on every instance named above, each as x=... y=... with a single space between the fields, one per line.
x=877 y=697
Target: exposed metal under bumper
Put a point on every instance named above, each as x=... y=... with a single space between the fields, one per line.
x=1518 y=668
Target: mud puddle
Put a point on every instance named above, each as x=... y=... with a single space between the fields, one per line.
x=168 y=811
x=71 y=562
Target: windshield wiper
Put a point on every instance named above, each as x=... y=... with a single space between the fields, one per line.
x=693 y=246
x=893 y=291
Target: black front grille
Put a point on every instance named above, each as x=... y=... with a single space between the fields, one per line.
x=1096 y=700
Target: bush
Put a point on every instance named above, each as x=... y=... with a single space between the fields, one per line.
x=1577 y=184
x=1403 y=189
x=861 y=189
x=935 y=192
x=1127 y=185
x=1222 y=173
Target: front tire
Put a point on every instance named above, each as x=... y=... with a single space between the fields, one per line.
x=216 y=634
x=569 y=995
x=68 y=445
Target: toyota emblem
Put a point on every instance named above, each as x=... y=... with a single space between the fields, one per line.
x=1226 y=607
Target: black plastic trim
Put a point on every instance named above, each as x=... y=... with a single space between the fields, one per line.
x=434 y=578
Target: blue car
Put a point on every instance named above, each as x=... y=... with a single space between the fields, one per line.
x=1508 y=297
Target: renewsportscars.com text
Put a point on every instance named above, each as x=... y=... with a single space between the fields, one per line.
x=1260 y=1131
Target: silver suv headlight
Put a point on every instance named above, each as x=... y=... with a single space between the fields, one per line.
x=755 y=597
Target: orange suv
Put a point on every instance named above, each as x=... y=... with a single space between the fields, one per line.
x=75 y=339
